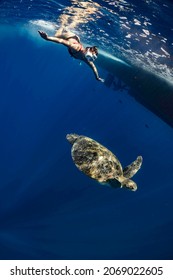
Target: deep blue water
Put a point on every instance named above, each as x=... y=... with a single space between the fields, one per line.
x=48 y=208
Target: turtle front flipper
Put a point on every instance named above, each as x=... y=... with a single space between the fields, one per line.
x=130 y=170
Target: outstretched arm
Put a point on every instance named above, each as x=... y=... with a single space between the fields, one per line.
x=93 y=67
x=53 y=39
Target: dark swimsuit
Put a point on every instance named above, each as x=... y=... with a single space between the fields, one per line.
x=83 y=50
x=73 y=52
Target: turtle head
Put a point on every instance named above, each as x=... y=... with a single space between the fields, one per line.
x=129 y=184
x=72 y=137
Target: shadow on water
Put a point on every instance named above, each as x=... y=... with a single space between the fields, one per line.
x=153 y=92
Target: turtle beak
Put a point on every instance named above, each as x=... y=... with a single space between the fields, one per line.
x=129 y=184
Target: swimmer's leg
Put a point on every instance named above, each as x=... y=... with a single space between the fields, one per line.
x=64 y=33
x=59 y=32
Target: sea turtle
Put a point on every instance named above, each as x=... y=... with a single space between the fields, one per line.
x=99 y=163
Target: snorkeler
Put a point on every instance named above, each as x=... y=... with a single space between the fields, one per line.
x=75 y=48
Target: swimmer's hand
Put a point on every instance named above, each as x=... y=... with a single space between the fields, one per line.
x=100 y=80
x=43 y=34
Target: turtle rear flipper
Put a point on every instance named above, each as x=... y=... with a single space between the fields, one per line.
x=130 y=170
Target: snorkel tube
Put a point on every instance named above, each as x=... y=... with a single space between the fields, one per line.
x=91 y=53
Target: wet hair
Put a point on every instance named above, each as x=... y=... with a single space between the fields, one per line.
x=70 y=51
x=93 y=49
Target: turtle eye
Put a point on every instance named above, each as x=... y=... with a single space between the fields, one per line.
x=133 y=187
x=130 y=185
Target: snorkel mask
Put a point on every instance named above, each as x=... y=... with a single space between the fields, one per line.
x=91 y=53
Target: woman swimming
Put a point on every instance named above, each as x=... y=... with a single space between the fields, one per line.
x=75 y=48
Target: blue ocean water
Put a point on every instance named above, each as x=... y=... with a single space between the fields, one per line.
x=48 y=208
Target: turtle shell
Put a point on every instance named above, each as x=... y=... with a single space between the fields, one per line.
x=95 y=160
